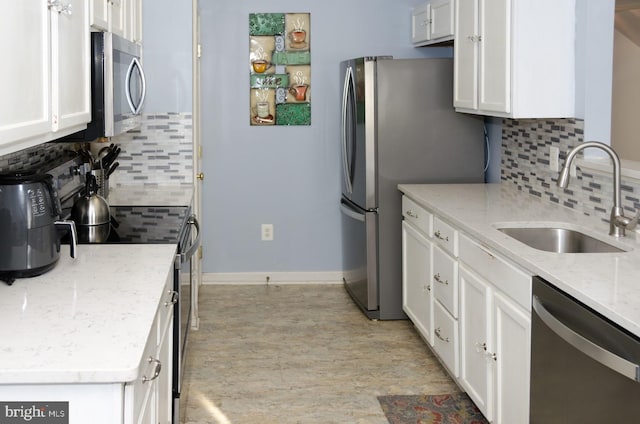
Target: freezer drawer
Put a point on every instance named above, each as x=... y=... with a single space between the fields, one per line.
x=359 y=246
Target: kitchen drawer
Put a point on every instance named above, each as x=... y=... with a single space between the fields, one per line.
x=165 y=310
x=417 y=215
x=445 y=236
x=445 y=340
x=445 y=280
x=138 y=391
x=506 y=277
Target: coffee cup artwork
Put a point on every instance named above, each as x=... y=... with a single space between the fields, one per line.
x=280 y=69
x=298 y=35
x=262 y=109
x=299 y=88
x=260 y=66
x=299 y=92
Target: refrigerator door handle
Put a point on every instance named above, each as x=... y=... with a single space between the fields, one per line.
x=351 y=213
x=346 y=126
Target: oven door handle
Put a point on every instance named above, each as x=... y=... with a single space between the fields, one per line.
x=586 y=346
x=189 y=252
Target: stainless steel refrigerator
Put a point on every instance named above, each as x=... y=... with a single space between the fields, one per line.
x=398 y=126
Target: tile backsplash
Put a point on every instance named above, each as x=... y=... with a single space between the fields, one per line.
x=158 y=153
x=525 y=163
x=43 y=158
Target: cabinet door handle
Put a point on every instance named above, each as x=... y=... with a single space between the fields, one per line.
x=412 y=214
x=439 y=279
x=174 y=299
x=60 y=8
x=427 y=287
x=156 y=371
x=437 y=331
x=438 y=235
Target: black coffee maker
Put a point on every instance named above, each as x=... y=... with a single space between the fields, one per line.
x=29 y=226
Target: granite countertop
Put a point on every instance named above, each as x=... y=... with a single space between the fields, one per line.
x=85 y=321
x=607 y=282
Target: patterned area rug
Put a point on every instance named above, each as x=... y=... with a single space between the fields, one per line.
x=431 y=409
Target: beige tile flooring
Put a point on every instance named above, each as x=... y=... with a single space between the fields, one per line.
x=299 y=354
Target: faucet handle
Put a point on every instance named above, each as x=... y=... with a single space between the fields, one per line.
x=631 y=225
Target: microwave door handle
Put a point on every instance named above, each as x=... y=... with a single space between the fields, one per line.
x=596 y=352
x=143 y=81
x=135 y=63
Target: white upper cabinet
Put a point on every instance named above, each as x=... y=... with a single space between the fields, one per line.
x=121 y=17
x=432 y=22
x=46 y=78
x=70 y=70
x=25 y=109
x=133 y=21
x=515 y=58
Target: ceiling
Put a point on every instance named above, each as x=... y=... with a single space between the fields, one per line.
x=627 y=19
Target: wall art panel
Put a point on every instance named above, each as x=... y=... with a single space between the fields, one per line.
x=280 y=69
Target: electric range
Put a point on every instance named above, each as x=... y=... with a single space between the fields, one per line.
x=146 y=224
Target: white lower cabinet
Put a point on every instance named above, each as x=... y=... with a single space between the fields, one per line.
x=475 y=312
x=495 y=333
x=445 y=340
x=476 y=363
x=417 y=294
x=148 y=398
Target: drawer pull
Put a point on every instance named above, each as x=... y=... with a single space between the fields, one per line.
x=427 y=287
x=174 y=298
x=438 y=235
x=438 y=335
x=482 y=348
x=412 y=214
x=156 y=371
x=439 y=279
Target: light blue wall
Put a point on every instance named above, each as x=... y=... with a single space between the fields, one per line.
x=286 y=176
x=594 y=67
x=166 y=26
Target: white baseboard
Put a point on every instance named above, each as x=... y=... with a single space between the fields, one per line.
x=331 y=277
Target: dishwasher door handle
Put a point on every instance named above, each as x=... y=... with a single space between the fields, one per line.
x=586 y=346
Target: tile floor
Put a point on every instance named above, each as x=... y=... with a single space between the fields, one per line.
x=299 y=354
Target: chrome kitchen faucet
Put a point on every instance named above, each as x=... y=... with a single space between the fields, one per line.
x=618 y=223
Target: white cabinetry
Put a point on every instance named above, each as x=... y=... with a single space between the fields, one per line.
x=148 y=399
x=417 y=293
x=505 y=65
x=473 y=308
x=495 y=327
x=432 y=22
x=46 y=78
x=121 y=17
x=108 y=15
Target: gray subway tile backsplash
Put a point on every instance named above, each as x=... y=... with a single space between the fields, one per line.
x=525 y=163
x=160 y=153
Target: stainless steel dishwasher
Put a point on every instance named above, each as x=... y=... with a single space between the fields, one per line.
x=584 y=368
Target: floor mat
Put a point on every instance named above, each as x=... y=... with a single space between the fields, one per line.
x=431 y=409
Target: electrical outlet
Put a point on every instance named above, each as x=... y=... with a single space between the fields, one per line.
x=554 y=159
x=267 y=232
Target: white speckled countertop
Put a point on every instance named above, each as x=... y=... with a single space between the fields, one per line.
x=607 y=282
x=86 y=320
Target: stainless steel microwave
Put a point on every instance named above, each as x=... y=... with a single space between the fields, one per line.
x=118 y=87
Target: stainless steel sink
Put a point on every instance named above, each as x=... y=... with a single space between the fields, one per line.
x=559 y=240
